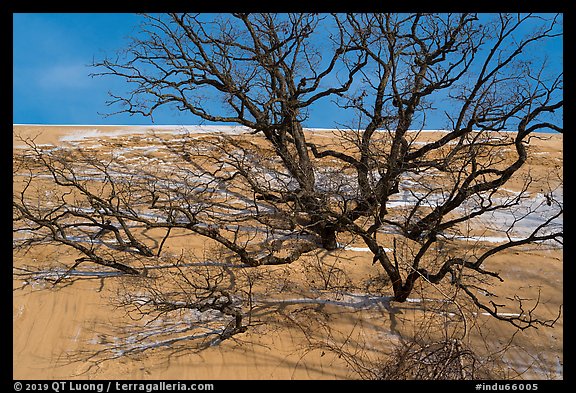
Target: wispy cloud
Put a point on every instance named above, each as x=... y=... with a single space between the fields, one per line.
x=64 y=76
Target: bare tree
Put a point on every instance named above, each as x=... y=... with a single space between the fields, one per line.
x=275 y=193
x=490 y=87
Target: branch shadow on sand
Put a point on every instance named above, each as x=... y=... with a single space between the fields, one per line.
x=335 y=327
x=338 y=333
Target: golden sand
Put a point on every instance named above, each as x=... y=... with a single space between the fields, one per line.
x=76 y=330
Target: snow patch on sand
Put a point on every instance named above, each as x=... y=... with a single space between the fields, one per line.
x=80 y=135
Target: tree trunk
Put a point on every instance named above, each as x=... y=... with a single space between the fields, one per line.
x=329 y=240
x=401 y=295
x=401 y=292
x=327 y=233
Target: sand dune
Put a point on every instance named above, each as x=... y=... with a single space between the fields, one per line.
x=77 y=330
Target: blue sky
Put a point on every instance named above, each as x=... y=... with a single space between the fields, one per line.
x=52 y=53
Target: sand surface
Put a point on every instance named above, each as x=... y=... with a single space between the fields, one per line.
x=299 y=331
